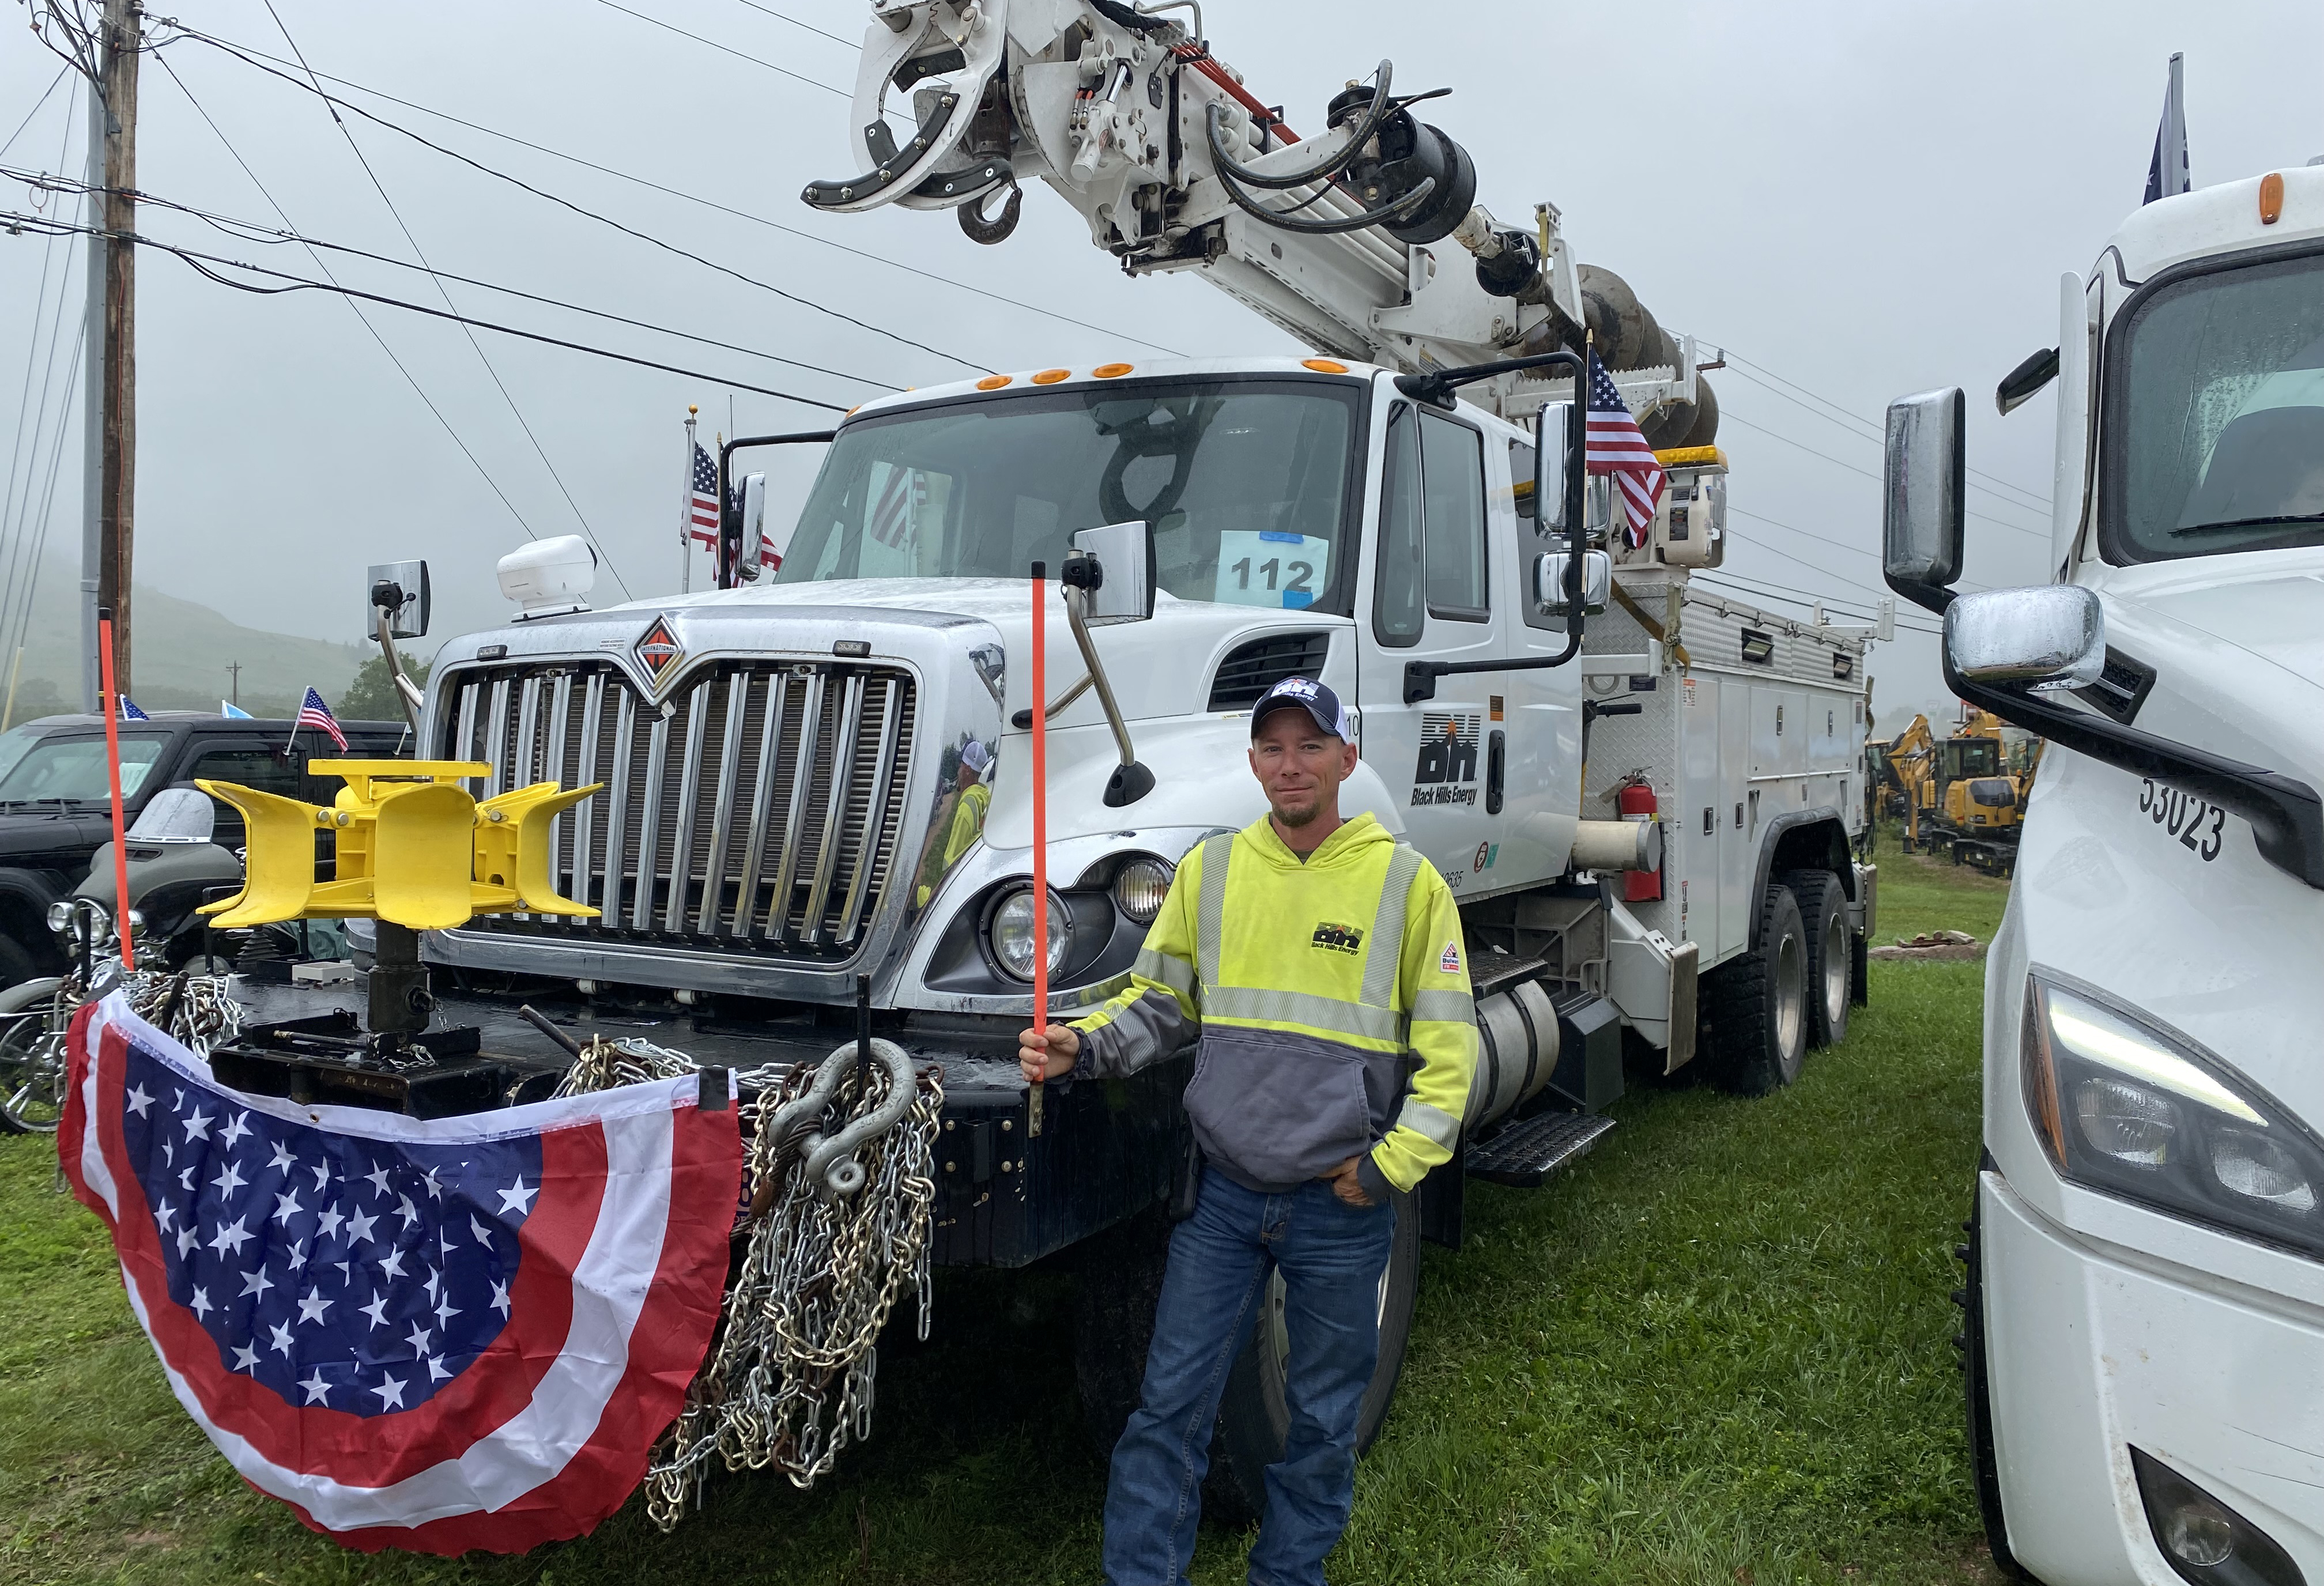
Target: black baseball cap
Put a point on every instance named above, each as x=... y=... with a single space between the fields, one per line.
x=1319 y=702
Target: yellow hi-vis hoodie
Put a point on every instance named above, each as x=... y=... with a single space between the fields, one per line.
x=1311 y=985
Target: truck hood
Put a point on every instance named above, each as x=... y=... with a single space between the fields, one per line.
x=2238 y=646
x=1162 y=668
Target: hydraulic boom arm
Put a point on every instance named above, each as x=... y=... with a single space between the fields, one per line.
x=1364 y=240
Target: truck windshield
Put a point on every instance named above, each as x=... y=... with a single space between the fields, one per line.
x=73 y=769
x=1245 y=482
x=2217 y=409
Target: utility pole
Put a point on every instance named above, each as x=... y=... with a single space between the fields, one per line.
x=233 y=670
x=109 y=477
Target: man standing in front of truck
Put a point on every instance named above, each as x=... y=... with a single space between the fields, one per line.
x=1318 y=959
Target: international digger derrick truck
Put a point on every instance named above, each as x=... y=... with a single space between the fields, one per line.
x=817 y=775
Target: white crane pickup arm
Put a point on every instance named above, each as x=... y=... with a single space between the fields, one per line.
x=1364 y=239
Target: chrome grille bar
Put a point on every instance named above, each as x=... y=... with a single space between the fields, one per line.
x=496 y=740
x=842 y=766
x=552 y=768
x=528 y=728
x=617 y=818
x=584 y=813
x=810 y=735
x=892 y=721
x=650 y=823
x=689 y=796
x=763 y=806
x=463 y=744
x=721 y=819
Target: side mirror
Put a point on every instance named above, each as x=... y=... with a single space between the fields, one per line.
x=1549 y=582
x=754 y=523
x=1558 y=480
x=1121 y=588
x=400 y=590
x=549 y=576
x=1922 y=519
x=2050 y=636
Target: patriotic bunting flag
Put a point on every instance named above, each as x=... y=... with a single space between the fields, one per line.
x=436 y=1335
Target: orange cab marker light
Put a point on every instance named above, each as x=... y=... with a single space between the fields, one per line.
x=1110 y=371
x=2271 y=198
x=1324 y=365
x=1050 y=376
x=852 y=411
x=994 y=381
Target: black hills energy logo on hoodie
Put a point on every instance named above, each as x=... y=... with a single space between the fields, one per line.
x=1446 y=770
x=1339 y=938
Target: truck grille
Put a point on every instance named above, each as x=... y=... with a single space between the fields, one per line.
x=758 y=808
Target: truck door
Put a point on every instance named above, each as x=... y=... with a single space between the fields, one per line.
x=1430 y=599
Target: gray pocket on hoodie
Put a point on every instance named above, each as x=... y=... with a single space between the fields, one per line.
x=1277 y=1109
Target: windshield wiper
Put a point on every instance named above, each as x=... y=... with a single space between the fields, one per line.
x=2248 y=524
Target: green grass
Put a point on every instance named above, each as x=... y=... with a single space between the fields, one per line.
x=1715 y=1352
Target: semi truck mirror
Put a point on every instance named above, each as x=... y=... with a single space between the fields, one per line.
x=1553 y=465
x=1549 y=582
x=2051 y=636
x=754 y=523
x=400 y=590
x=1922 y=518
x=1124 y=590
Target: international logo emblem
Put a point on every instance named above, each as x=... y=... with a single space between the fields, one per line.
x=660 y=653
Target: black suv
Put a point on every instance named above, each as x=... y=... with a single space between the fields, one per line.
x=56 y=808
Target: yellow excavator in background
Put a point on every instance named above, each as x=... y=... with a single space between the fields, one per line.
x=1960 y=793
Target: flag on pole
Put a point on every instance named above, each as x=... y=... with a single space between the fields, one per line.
x=2166 y=173
x=434 y=1335
x=1618 y=447
x=314 y=712
x=228 y=708
x=129 y=711
x=702 y=500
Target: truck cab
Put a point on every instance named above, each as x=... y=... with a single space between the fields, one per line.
x=2145 y=1298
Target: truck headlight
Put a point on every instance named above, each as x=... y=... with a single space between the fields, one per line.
x=1139 y=886
x=2128 y=1107
x=60 y=915
x=1012 y=934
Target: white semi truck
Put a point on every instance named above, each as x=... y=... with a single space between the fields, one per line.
x=2144 y=1338
x=1645 y=793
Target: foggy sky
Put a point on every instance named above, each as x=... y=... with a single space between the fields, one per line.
x=1866 y=200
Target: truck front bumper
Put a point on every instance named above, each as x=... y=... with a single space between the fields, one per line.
x=1107 y=1149
x=2095 y=1348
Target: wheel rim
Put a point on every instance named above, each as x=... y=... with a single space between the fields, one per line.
x=1790 y=1001
x=31 y=1072
x=1835 y=970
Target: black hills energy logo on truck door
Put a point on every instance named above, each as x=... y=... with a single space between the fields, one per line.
x=1446 y=772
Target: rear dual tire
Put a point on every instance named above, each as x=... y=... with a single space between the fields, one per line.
x=1790 y=992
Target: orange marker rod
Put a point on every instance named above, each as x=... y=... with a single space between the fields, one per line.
x=112 y=702
x=1040 y=682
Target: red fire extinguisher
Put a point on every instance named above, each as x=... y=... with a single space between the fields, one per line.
x=1635 y=802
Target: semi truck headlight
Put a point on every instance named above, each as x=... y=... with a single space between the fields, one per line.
x=1139 y=886
x=2125 y=1106
x=1011 y=932
x=61 y=914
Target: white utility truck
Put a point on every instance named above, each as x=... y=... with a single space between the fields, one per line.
x=820 y=770
x=2144 y=1341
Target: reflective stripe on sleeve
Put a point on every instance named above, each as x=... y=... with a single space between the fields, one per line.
x=1163 y=969
x=1444 y=1007
x=1429 y=1122
x=1387 y=927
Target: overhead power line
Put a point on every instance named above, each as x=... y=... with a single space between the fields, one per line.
x=259 y=57
x=1725 y=417
x=346 y=131
x=794 y=21
x=252 y=231
x=36 y=108
x=442 y=420
x=728 y=49
x=211 y=265
x=1837 y=413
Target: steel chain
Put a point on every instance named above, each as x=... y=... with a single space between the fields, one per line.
x=818 y=1277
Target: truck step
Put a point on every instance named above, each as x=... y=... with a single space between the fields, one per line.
x=1525 y=1154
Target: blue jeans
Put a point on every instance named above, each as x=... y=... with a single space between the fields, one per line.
x=1331 y=1255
